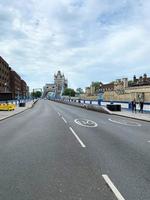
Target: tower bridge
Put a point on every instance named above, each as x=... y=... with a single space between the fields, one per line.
x=56 y=89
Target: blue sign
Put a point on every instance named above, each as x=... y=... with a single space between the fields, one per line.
x=101 y=96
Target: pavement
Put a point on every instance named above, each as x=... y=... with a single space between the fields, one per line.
x=7 y=114
x=127 y=113
x=59 y=152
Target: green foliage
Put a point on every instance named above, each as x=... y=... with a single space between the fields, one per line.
x=130 y=82
x=36 y=94
x=96 y=85
x=79 y=91
x=69 y=92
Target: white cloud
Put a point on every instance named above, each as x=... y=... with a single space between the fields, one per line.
x=88 y=40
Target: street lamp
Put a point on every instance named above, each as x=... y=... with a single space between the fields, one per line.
x=101 y=93
x=5 y=84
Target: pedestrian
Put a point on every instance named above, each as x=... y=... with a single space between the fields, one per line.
x=133 y=103
x=141 y=106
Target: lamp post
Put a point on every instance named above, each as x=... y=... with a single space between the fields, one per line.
x=5 y=84
x=100 y=97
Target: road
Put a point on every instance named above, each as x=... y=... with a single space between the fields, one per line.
x=60 y=152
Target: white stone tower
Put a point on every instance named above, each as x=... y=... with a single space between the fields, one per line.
x=60 y=82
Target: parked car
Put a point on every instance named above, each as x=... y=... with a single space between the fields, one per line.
x=7 y=107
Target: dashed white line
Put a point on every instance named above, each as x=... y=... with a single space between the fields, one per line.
x=79 y=140
x=112 y=187
x=59 y=114
x=125 y=123
x=64 y=119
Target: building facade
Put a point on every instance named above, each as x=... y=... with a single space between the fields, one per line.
x=27 y=92
x=60 y=82
x=141 y=81
x=15 y=85
x=56 y=88
x=120 y=85
x=92 y=91
x=106 y=87
x=11 y=84
x=49 y=88
x=4 y=76
x=23 y=89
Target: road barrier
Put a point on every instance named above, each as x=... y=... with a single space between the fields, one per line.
x=22 y=104
x=7 y=107
x=114 y=107
x=125 y=105
x=98 y=104
x=85 y=106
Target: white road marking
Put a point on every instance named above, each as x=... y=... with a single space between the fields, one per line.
x=148 y=141
x=59 y=114
x=64 y=119
x=86 y=123
x=125 y=123
x=79 y=140
x=112 y=187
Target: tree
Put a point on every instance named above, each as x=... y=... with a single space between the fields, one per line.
x=96 y=85
x=36 y=94
x=69 y=92
x=130 y=82
x=79 y=91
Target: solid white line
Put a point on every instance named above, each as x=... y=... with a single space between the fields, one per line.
x=112 y=187
x=64 y=119
x=79 y=140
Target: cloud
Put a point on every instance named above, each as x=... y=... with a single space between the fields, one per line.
x=88 y=40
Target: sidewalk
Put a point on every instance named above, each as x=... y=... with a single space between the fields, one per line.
x=127 y=113
x=7 y=114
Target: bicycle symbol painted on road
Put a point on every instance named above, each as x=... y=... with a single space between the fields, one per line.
x=86 y=123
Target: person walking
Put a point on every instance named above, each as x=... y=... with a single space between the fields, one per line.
x=141 y=106
x=133 y=105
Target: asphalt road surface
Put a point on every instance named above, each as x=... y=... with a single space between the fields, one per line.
x=60 y=152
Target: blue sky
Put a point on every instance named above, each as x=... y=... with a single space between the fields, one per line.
x=88 y=40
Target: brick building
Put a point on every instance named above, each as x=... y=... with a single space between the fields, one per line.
x=23 y=89
x=4 y=76
x=106 y=87
x=27 y=92
x=15 y=85
x=11 y=84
